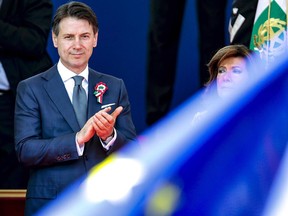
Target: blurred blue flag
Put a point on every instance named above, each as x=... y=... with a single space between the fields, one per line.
x=229 y=163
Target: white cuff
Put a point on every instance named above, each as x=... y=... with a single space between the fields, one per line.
x=109 y=141
x=80 y=147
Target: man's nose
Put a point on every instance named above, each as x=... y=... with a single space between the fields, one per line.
x=77 y=42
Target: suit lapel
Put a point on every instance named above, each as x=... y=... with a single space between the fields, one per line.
x=93 y=105
x=56 y=90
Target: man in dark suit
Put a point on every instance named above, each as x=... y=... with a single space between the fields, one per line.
x=49 y=137
x=24 y=30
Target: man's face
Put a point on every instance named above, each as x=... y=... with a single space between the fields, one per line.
x=75 y=43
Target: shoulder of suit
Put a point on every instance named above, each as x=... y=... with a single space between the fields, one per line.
x=46 y=75
x=103 y=75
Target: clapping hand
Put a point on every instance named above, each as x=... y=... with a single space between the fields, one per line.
x=102 y=124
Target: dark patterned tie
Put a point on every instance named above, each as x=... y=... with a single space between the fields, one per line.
x=79 y=101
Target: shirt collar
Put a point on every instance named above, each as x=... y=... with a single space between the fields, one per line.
x=67 y=74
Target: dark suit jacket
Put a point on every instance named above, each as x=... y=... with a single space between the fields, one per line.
x=247 y=9
x=24 y=27
x=45 y=129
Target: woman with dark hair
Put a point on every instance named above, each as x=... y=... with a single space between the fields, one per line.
x=230 y=69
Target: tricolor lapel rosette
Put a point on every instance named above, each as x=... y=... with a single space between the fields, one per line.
x=100 y=89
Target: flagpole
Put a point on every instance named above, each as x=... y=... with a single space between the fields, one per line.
x=286 y=25
x=269 y=34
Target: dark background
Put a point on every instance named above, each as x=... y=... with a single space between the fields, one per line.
x=122 y=50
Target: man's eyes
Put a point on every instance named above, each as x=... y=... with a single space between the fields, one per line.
x=70 y=37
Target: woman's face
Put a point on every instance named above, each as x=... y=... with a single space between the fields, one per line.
x=232 y=73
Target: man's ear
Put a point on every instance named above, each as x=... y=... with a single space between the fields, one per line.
x=95 y=39
x=54 y=39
